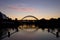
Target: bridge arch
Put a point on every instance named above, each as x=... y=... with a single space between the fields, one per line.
x=29 y=16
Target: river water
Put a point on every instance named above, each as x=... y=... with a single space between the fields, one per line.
x=31 y=32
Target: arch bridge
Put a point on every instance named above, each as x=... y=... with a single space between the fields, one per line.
x=29 y=16
x=28 y=21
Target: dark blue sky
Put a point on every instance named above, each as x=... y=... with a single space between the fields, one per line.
x=39 y=8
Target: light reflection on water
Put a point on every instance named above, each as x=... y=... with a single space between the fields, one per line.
x=29 y=33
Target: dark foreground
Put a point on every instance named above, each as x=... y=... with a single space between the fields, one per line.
x=29 y=32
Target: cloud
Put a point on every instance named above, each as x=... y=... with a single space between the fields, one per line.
x=23 y=9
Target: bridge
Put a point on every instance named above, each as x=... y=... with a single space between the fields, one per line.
x=29 y=16
x=28 y=21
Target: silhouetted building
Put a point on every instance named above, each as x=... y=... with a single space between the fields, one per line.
x=3 y=16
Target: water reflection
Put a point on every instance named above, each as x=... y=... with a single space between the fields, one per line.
x=56 y=32
x=28 y=28
x=29 y=32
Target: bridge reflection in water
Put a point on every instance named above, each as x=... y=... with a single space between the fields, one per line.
x=32 y=32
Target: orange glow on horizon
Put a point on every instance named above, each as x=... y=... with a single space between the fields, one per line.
x=19 y=18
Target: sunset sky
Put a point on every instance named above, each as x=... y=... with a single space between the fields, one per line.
x=39 y=8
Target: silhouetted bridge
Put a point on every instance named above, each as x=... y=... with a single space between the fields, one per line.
x=28 y=21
